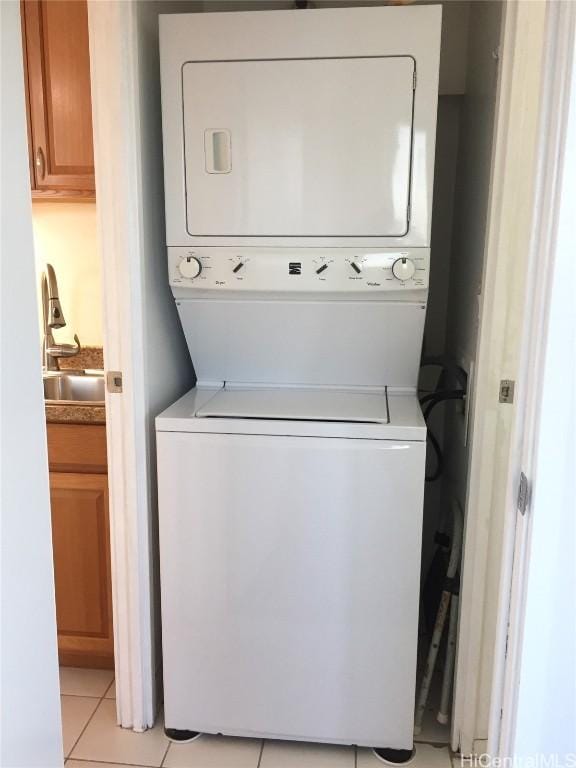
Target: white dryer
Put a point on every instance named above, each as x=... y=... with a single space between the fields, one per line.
x=298 y=149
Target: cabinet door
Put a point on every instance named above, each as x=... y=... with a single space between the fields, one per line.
x=81 y=541
x=60 y=111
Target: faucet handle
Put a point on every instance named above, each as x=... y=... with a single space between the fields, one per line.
x=65 y=350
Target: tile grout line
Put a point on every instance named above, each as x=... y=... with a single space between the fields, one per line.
x=165 y=754
x=453 y=761
x=85 y=695
x=96 y=708
x=80 y=696
x=102 y=697
x=262 y=745
x=83 y=729
x=257 y=765
x=107 y=762
x=261 y=753
x=104 y=762
x=113 y=682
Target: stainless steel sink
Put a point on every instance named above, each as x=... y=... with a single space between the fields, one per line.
x=74 y=387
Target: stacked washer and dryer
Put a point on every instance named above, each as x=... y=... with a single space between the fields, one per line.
x=299 y=158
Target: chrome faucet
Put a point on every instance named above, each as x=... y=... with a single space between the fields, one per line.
x=53 y=317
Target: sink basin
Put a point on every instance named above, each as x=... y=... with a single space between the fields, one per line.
x=77 y=387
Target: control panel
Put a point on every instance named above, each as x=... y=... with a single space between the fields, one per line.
x=312 y=270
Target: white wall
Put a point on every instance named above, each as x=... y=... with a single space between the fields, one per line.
x=65 y=236
x=454 y=27
x=546 y=716
x=30 y=729
x=502 y=278
x=472 y=191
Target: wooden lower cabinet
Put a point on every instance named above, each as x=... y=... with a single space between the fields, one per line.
x=81 y=544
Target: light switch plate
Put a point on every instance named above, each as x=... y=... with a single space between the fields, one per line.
x=114 y=381
x=506 y=391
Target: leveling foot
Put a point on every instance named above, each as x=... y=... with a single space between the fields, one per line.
x=181 y=737
x=394 y=756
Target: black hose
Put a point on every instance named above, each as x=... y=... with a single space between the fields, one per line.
x=433 y=399
x=457 y=394
x=443 y=394
x=439 y=458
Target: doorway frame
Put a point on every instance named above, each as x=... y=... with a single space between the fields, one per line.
x=557 y=125
x=116 y=126
x=113 y=52
x=491 y=473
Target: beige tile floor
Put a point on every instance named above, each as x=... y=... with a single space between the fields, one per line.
x=93 y=740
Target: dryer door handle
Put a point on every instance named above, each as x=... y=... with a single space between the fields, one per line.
x=217 y=150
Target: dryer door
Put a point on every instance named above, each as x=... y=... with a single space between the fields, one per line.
x=299 y=147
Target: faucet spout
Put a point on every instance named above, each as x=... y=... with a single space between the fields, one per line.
x=55 y=314
x=53 y=317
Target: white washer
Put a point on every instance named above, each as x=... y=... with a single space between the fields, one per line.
x=299 y=155
x=290 y=602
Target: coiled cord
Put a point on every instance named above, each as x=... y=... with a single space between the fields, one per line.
x=441 y=395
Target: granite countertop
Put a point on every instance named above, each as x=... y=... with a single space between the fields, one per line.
x=75 y=414
x=89 y=358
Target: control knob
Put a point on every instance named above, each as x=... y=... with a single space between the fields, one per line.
x=403 y=268
x=190 y=267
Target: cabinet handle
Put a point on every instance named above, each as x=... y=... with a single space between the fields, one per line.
x=40 y=163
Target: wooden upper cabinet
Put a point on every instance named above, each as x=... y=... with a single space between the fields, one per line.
x=57 y=66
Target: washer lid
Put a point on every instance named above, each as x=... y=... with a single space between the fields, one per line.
x=297 y=405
